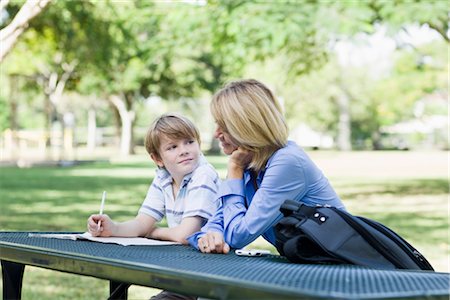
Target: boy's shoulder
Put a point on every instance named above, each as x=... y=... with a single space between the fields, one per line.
x=162 y=175
x=204 y=170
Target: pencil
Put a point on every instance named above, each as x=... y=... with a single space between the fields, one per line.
x=101 y=210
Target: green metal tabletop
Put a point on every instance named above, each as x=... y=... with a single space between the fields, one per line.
x=184 y=269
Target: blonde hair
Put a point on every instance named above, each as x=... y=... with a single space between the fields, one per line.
x=250 y=113
x=172 y=126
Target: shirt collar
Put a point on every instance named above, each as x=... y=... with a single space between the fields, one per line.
x=166 y=178
x=247 y=172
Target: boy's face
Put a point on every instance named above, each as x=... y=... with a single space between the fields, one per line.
x=179 y=157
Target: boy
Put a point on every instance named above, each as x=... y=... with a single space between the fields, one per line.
x=183 y=190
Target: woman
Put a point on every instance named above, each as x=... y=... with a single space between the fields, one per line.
x=264 y=169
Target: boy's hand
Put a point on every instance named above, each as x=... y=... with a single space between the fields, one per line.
x=212 y=242
x=106 y=228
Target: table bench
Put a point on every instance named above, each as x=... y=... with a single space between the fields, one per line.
x=182 y=269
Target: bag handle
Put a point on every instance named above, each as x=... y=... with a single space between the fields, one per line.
x=290 y=206
x=299 y=209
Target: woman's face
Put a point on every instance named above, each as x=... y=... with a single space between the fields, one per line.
x=225 y=141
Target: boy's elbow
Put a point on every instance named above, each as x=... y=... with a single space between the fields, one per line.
x=181 y=239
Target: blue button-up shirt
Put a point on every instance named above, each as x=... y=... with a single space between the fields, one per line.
x=245 y=214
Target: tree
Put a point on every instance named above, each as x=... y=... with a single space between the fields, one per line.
x=141 y=65
x=10 y=34
x=374 y=101
x=398 y=14
x=49 y=53
x=222 y=38
x=359 y=99
x=178 y=49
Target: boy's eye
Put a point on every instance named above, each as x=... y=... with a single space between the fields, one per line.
x=171 y=147
x=190 y=141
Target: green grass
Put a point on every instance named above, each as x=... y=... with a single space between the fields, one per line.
x=406 y=191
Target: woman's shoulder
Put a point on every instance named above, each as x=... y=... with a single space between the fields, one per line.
x=289 y=153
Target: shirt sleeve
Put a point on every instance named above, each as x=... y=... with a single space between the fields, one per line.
x=154 y=204
x=242 y=225
x=201 y=197
x=214 y=224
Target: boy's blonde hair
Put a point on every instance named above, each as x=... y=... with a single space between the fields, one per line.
x=171 y=125
x=250 y=113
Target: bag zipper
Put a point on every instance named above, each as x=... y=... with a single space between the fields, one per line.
x=370 y=239
x=408 y=248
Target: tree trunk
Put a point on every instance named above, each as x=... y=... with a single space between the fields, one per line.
x=48 y=120
x=214 y=148
x=13 y=124
x=10 y=34
x=127 y=118
x=3 y=4
x=344 y=126
x=53 y=86
x=117 y=125
x=376 y=140
x=91 y=130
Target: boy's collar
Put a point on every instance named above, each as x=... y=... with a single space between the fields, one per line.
x=167 y=178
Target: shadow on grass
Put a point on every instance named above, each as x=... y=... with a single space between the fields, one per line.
x=414 y=226
x=62 y=179
x=48 y=199
x=398 y=188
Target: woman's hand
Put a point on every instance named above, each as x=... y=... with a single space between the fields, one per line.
x=212 y=242
x=106 y=227
x=239 y=160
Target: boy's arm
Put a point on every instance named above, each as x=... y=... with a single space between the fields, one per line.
x=141 y=225
x=179 y=233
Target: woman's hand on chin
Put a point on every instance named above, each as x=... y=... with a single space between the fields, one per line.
x=239 y=160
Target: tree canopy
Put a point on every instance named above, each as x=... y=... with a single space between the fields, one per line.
x=125 y=52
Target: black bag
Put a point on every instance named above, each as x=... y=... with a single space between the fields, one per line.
x=323 y=234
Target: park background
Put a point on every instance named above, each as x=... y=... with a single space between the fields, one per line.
x=364 y=86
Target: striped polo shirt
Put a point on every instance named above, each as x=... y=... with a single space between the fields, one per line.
x=196 y=197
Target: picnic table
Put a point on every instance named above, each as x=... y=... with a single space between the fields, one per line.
x=183 y=269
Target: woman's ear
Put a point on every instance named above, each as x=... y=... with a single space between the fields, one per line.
x=158 y=161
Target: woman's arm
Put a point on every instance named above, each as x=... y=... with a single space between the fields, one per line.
x=283 y=179
x=212 y=242
x=215 y=224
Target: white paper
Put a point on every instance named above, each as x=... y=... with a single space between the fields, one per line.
x=64 y=236
x=125 y=241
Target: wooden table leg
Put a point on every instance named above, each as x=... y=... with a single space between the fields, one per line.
x=12 y=279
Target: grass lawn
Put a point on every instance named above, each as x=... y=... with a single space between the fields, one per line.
x=407 y=191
